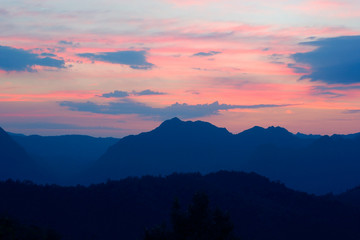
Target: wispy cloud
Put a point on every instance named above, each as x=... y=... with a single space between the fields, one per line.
x=206 y=54
x=352 y=111
x=3 y=11
x=115 y=94
x=122 y=94
x=65 y=42
x=183 y=110
x=134 y=59
x=17 y=59
x=147 y=92
x=297 y=68
x=52 y=126
x=68 y=43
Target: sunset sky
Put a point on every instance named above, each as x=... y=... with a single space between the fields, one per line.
x=114 y=68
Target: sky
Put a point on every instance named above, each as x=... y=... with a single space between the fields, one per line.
x=114 y=68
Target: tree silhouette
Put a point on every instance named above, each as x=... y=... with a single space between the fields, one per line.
x=199 y=222
x=11 y=229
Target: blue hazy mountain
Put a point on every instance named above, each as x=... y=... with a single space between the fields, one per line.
x=259 y=209
x=15 y=163
x=317 y=164
x=64 y=156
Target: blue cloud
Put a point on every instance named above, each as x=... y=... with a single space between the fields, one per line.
x=48 y=55
x=352 y=111
x=333 y=91
x=184 y=110
x=206 y=54
x=65 y=42
x=17 y=59
x=69 y=43
x=339 y=88
x=297 y=69
x=115 y=94
x=278 y=59
x=122 y=94
x=334 y=61
x=134 y=59
x=147 y=92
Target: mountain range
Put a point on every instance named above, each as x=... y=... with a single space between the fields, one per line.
x=316 y=164
x=311 y=163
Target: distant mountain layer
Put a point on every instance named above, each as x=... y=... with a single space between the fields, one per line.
x=259 y=209
x=317 y=164
x=64 y=157
x=14 y=161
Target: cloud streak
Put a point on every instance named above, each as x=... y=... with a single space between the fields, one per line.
x=206 y=54
x=123 y=94
x=52 y=126
x=20 y=60
x=147 y=92
x=115 y=94
x=183 y=110
x=334 y=91
x=134 y=59
x=352 y=111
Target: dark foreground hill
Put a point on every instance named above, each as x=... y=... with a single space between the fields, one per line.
x=260 y=209
x=315 y=164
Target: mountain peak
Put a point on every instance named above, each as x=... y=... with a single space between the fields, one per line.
x=270 y=130
x=2 y=132
x=179 y=127
x=278 y=129
x=171 y=122
x=174 y=119
x=271 y=135
x=4 y=137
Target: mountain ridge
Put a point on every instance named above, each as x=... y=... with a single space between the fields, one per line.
x=274 y=152
x=316 y=164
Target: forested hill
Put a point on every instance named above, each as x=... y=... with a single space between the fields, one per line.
x=260 y=209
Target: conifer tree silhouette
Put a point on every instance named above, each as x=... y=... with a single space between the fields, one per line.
x=199 y=222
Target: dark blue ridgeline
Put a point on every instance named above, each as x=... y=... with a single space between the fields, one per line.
x=316 y=164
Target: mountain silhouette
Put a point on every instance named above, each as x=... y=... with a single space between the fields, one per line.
x=14 y=161
x=311 y=163
x=174 y=146
x=272 y=135
x=177 y=129
x=316 y=164
x=183 y=146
